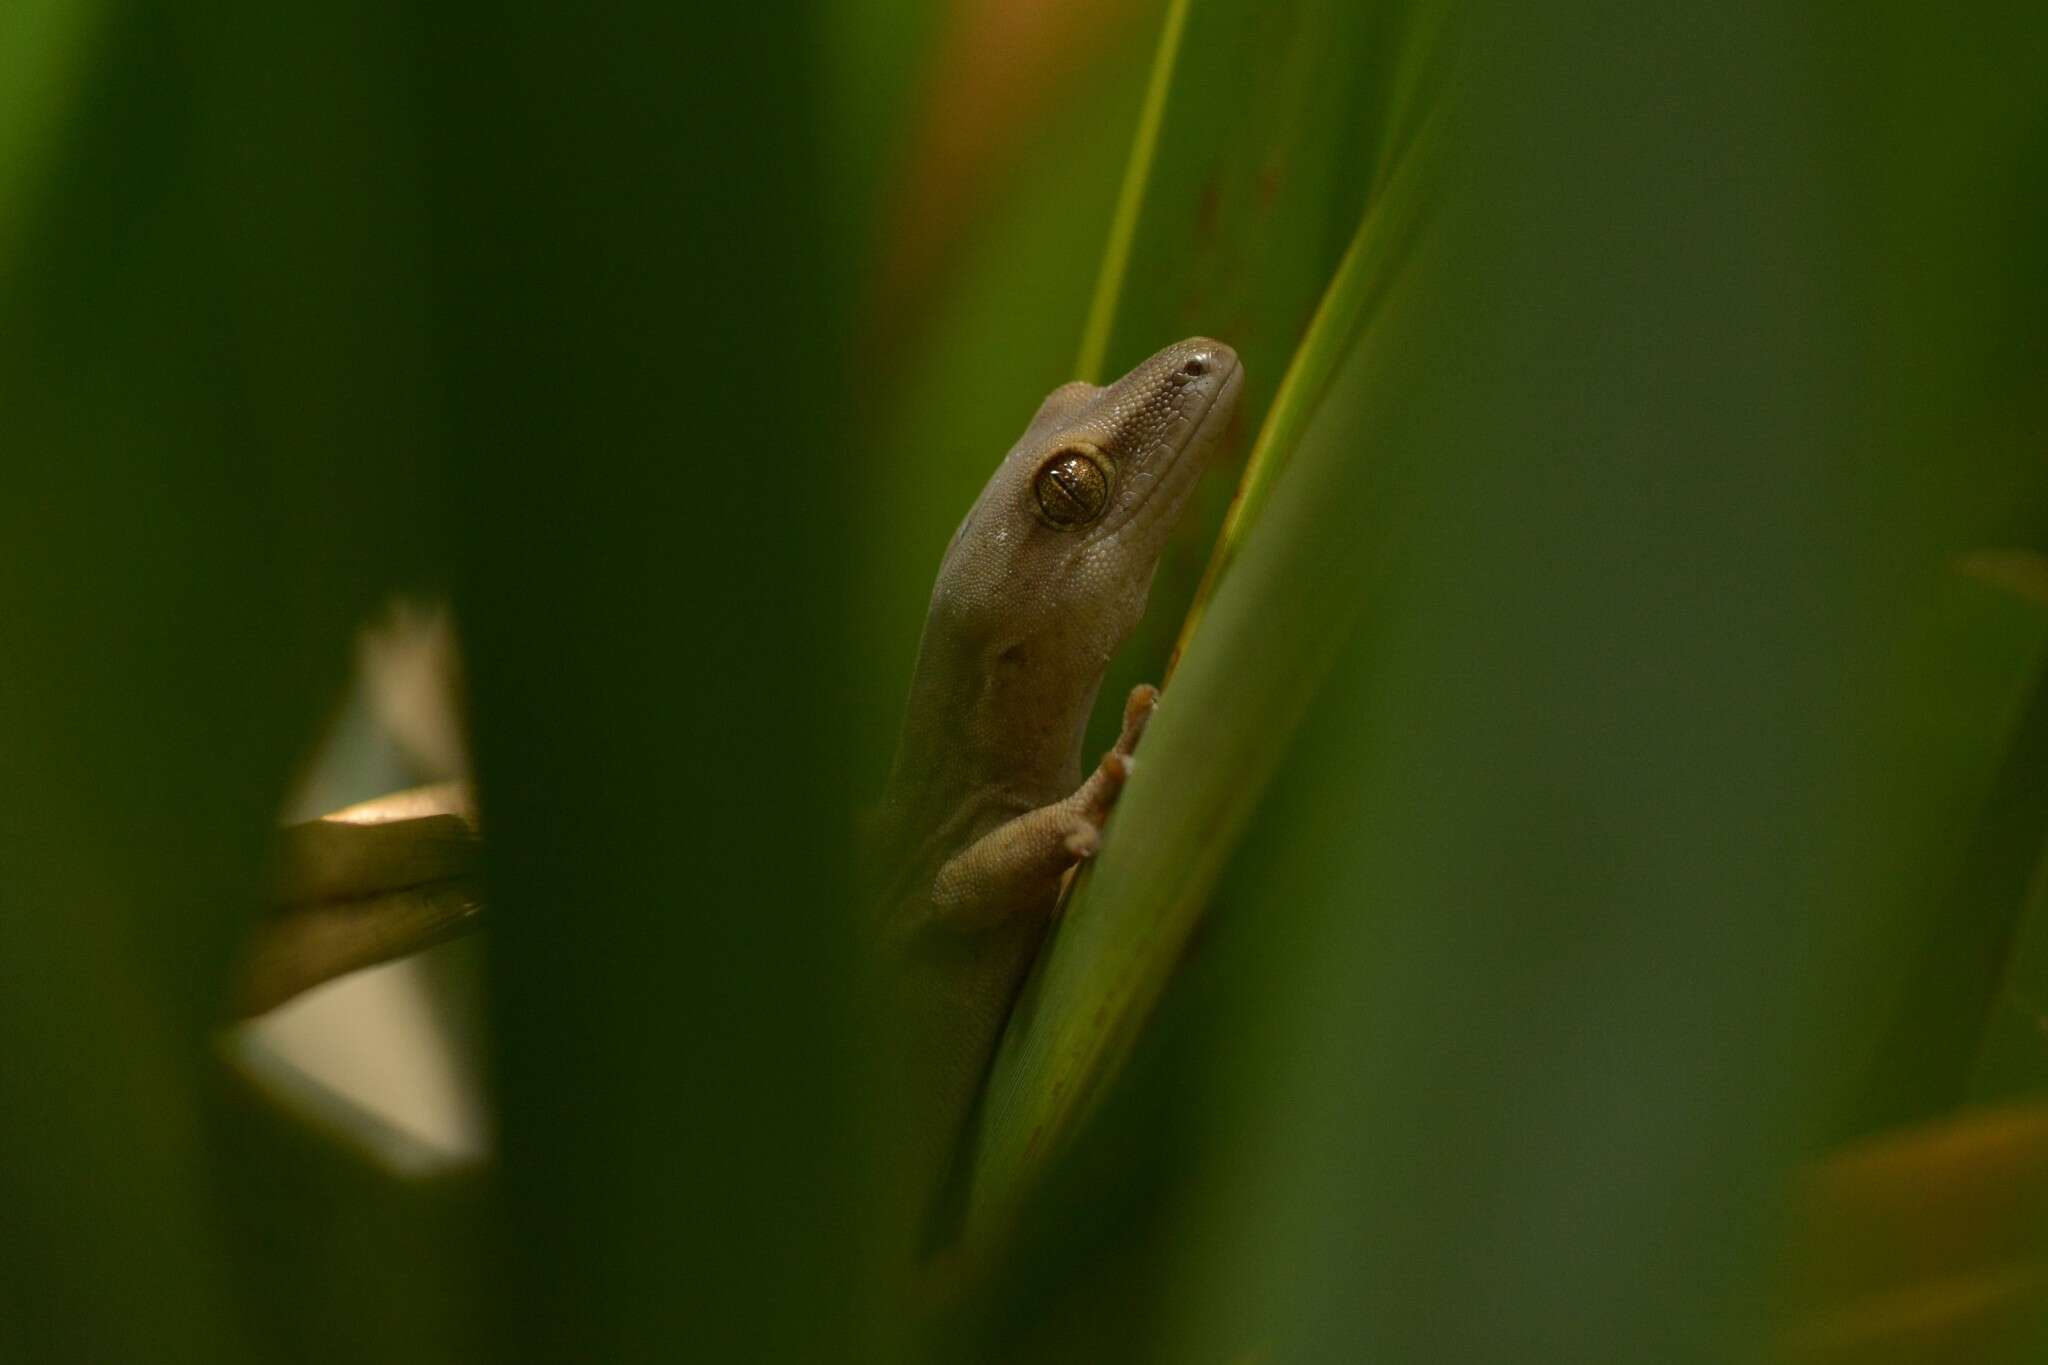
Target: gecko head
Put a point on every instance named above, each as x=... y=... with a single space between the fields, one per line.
x=1059 y=550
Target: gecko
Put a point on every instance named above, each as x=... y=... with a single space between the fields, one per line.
x=985 y=809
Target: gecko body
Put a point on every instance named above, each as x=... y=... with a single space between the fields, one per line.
x=986 y=808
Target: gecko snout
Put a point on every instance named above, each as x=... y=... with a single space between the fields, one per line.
x=1201 y=357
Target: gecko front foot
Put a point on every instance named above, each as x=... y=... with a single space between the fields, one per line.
x=1091 y=802
x=1021 y=862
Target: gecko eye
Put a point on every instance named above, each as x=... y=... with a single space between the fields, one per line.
x=1072 y=488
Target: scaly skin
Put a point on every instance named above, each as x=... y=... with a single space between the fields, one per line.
x=985 y=810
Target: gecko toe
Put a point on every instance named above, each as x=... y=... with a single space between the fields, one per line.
x=1100 y=792
x=1138 y=709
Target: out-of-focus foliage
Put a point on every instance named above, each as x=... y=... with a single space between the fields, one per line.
x=1928 y=1243
x=308 y=302
x=208 y=367
x=1609 y=764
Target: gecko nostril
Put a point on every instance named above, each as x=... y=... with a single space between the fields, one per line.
x=1195 y=368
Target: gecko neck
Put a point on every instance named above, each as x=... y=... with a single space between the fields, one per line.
x=1000 y=727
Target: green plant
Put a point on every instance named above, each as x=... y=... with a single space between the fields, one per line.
x=1600 y=781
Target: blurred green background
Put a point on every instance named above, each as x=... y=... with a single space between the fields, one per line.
x=1584 y=896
